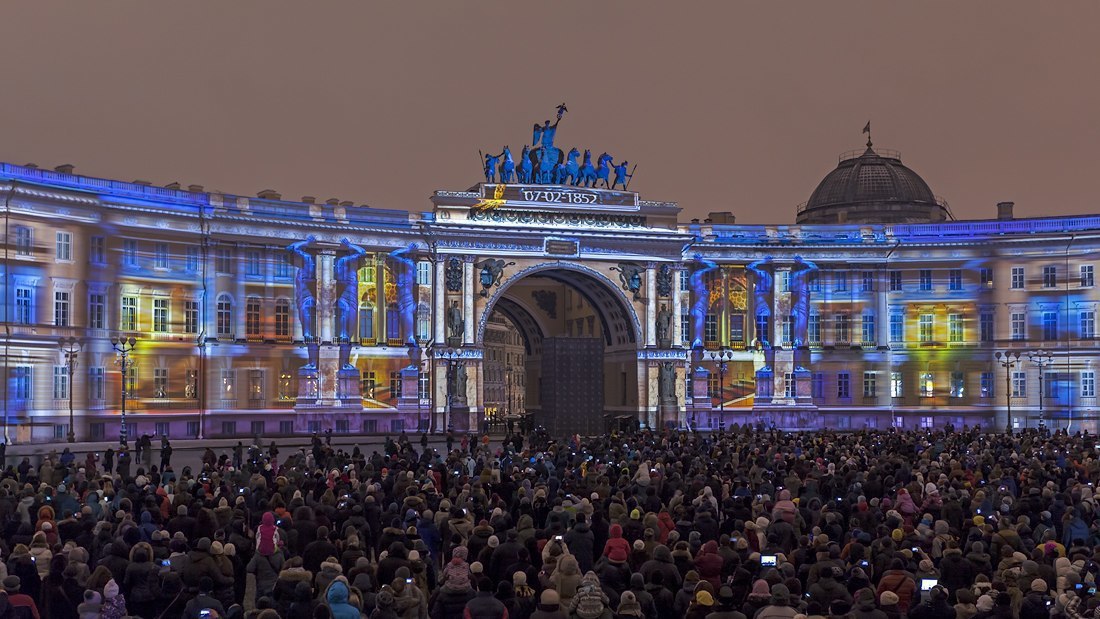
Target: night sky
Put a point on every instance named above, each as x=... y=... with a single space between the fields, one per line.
x=739 y=106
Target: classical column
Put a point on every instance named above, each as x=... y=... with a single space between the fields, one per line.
x=440 y=299
x=650 y=304
x=883 y=309
x=776 y=326
x=468 y=285
x=325 y=295
x=677 y=308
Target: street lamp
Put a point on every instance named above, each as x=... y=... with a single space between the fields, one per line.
x=1041 y=358
x=452 y=356
x=1008 y=360
x=123 y=346
x=71 y=347
x=724 y=357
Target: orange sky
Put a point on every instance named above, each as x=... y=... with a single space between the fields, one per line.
x=739 y=106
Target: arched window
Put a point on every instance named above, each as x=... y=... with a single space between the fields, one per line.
x=393 y=324
x=423 y=322
x=225 y=316
x=366 y=320
x=252 y=322
x=282 y=318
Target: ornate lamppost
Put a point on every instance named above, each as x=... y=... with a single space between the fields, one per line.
x=1042 y=359
x=70 y=346
x=1008 y=360
x=124 y=346
x=452 y=356
x=724 y=356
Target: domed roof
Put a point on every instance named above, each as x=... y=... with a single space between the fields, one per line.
x=872 y=187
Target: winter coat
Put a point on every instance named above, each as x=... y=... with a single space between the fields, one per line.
x=337 y=599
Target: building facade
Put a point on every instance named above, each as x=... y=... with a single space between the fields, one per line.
x=851 y=324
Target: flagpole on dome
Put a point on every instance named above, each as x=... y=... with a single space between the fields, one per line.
x=867 y=130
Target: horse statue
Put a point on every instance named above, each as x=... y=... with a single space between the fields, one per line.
x=566 y=173
x=586 y=177
x=603 y=170
x=491 y=163
x=523 y=172
x=508 y=167
x=548 y=156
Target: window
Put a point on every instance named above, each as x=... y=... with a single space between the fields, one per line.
x=287 y=427
x=129 y=253
x=423 y=323
x=817 y=385
x=424 y=385
x=897 y=327
x=59 y=431
x=786 y=328
x=925 y=327
x=868 y=281
x=160 y=256
x=1050 y=325
x=986 y=275
x=282 y=264
x=253 y=263
x=393 y=322
x=160 y=382
x=224 y=316
x=710 y=329
x=190 y=316
x=160 y=315
x=1088 y=384
x=841 y=329
x=955 y=328
x=895 y=281
x=64 y=246
x=870 y=386
x=97 y=250
x=788 y=385
x=395 y=384
x=256 y=391
x=762 y=328
x=840 y=279
x=987 y=384
x=368 y=384
x=60 y=382
x=925 y=280
x=161 y=428
x=1017 y=278
x=955 y=279
x=737 y=328
x=282 y=318
x=985 y=326
x=191 y=385
x=1087 y=277
x=1019 y=326
x=397 y=426
x=897 y=387
x=958 y=385
x=1050 y=276
x=926 y=422
x=815 y=282
x=927 y=385
x=97 y=311
x=96 y=383
x=252 y=317
x=423 y=273
x=843 y=385
x=223 y=260
x=131 y=381
x=685 y=327
x=814 y=328
x=193 y=429
x=685 y=283
x=192 y=260
x=61 y=308
x=21 y=387
x=785 y=281
x=1088 y=324
x=22 y=241
x=366 y=319
x=23 y=308
x=868 y=329
x=229 y=428
x=1019 y=384
x=229 y=384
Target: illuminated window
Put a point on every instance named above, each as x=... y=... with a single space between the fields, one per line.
x=926 y=327
x=788 y=385
x=368 y=383
x=286 y=387
x=987 y=384
x=190 y=316
x=160 y=256
x=96 y=383
x=366 y=319
x=129 y=253
x=814 y=328
x=23 y=240
x=762 y=328
x=282 y=318
x=840 y=279
x=395 y=384
x=252 y=326
x=1088 y=324
x=423 y=322
x=97 y=250
x=61 y=308
x=985 y=326
x=925 y=280
x=897 y=387
x=786 y=328
x=1017 y=278
x=958 y=385
x=21 y=386
x=191 y=263
x=927 y=385
x=424 y=385
x=60 y=382
x=685 y=328
x=24 y=297
x=1019 y=384
x=1050 y=325
x=64 y=246
x=160 y=315
x=253 y=261
x=97 y=311
x=229 y=384
x=393 y=322
x=897 y=327
x=784 y=281
x=841 y=330
x=843 y=385
x=224 y=316
x=256 y=392
x=1019 y=326
x=895 y=281
x=926 y=422
x=868 y=329
x=128 y=315
x=737 y=328
x=1050 y=276
x=1087 y=278
x=868 y=281
x=986 y=275
x=424 y=273
x=282 y=264
x=160 y=382
x=685 y=283
x=1088 y=384
x=955 y=279
x=191 y=384
x=870 y=385
x=955 y=328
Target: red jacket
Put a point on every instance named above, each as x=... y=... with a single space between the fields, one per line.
x=616 y=540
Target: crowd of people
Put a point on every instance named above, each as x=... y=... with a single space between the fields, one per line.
x=746 y=524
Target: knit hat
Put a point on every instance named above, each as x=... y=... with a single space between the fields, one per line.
x=12 y=584
x=897 y=535
x=477 y=568
x=494 y=541
x=461 y=552
x=781 y=595
x=926 y=565
x=985 y=602
x=704 y=598
x=1039 y=585
x=888 y=598
x=519 y=579
x=384 y=599
x=110 y=590
x=414 y=555
x=549 y=597
x=639 y=544
x=628 y=604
